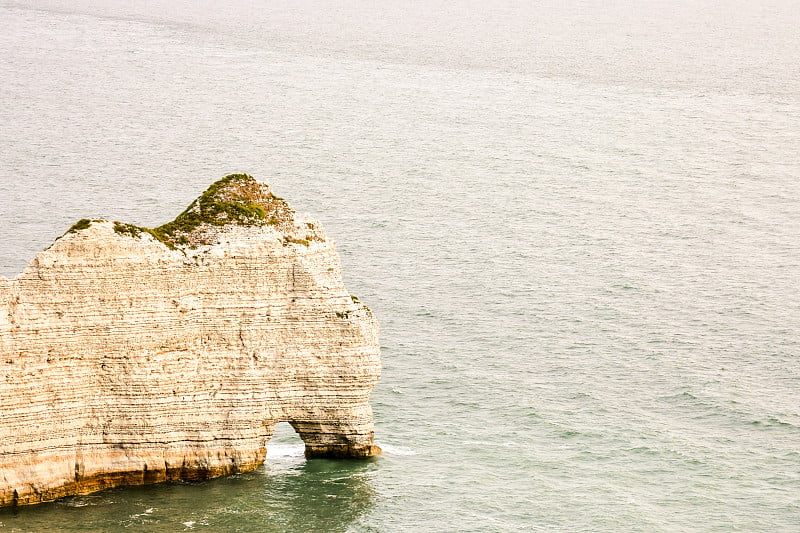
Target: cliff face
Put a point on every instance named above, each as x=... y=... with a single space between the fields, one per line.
x=132 y=356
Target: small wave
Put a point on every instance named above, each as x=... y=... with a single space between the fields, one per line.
x=146 y=512
x=285 y=450
x=491 y=444
x=75 y=503
x=103 y=498
x=772 y=422
x=680 y=397
x=390 y=449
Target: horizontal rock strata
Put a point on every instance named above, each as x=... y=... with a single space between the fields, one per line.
x=133 y=355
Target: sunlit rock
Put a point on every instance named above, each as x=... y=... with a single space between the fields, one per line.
x=134 y=355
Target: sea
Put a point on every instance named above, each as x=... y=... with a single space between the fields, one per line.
x=577 y=222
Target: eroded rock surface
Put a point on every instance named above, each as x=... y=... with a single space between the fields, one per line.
x=134 y=355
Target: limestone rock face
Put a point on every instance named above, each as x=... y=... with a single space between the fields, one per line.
x=132 y=355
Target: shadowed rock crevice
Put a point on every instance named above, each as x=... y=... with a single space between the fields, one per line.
x=134 y=355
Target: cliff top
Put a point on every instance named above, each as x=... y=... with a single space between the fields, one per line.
x=236 y=199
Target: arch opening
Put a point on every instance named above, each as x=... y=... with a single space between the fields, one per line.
x=285 y=445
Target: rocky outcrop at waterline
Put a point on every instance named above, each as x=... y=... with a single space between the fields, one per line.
x=137 y=355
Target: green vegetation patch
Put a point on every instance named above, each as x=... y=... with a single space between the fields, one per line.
x=79 y=225
x=235 y=199
x=127 y=229
x=136 y=231
x=82 y=224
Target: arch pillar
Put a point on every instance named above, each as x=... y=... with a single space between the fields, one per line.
x=341 y=434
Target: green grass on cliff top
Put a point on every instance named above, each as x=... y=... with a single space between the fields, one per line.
x=235 y=199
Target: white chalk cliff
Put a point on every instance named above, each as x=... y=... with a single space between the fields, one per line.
x=133 y=355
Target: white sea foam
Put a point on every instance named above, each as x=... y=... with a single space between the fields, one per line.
x=284 y=450
x=390 y=449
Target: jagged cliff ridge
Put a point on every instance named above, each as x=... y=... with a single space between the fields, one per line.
x=134 y=355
